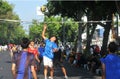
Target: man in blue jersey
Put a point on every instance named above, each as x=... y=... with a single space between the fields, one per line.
x=23 y=63
x=111 y=63
x=41 y=49
x=50 y=47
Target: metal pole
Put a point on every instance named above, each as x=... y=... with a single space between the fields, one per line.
x=117 y=25
x=63 y=29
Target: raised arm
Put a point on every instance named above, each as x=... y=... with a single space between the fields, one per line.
x=44 y=30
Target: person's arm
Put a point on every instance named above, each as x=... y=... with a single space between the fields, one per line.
x=13 y=69
x=33 y=72
x=103 y=71
x=44 y=30
x=55 y=48
x=36 y=57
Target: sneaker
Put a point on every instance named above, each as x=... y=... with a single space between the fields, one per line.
x=50 y=77
x=66 y=77
x=45 y=77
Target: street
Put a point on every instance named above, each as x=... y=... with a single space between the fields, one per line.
x=72 y=71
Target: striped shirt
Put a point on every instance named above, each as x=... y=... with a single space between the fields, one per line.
x=23 y=61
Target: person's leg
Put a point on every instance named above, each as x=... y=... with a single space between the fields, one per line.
x=45 y=71
x=64 y=71
x=45 y=62
x=51 y=68
x=51 y=72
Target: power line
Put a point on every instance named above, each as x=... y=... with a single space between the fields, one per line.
x=9 y=20
x=21 y=21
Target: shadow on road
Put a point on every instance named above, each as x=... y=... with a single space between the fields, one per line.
x=73 y=73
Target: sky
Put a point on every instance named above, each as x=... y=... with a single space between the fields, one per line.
x=26 y=9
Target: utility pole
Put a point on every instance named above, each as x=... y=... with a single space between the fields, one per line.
x=117 y=16
x=63 y=33
x=113 y=29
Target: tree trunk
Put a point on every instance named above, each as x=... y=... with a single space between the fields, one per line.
x=89 y=37
x=106 y=36
x=79 y=42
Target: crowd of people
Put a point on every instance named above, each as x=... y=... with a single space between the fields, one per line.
x=26 y=62
x=27 y=59
x=94 y=62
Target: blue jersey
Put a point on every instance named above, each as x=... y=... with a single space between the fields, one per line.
x=112 y=66
x=49 y=48
x=41 y=51
x=23 y=61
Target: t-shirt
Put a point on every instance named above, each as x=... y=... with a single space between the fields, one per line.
x=57 y=55
x=34 y=51
x=23 y=61
x=41 y=50
x=49 y=46
x=112 y=66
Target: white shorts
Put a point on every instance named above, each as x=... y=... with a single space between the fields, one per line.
x=47 y=61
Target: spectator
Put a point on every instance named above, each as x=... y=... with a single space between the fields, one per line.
x=33 y=50
x=58 y=61
x=111 y=63
x=41 y=50
x=23 y=63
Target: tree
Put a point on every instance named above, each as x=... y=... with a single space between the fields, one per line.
x=55 y=27
x=8 y=29
x=99 y=10
x=35 y=30
x=105 y=14
x=71 y=9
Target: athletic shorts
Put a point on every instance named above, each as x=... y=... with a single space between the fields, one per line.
x=57 y=63
x=47 y=61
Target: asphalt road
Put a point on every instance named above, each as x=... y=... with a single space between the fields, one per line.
x=72 y=71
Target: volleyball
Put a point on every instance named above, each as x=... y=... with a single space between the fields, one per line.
x=43 y=8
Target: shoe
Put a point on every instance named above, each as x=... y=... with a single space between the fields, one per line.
x=66 y=77
x=45 y=77
x=50 y=77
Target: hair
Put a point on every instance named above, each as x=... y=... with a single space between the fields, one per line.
x=112 y=47
x=56 y=41
x=25 y=43
x=52 y=36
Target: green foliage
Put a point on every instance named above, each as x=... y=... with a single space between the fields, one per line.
x=35 y=30
x=94 y=10
x=66 y=8
x=68 y=28
x=54 y=27
x=10 y=32
x=54 y=24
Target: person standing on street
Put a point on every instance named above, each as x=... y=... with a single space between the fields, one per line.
x=48 y=55
x=23 y=63
x=58 y=61
x=111 y=63
x=41 y=50
x=34 y=50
